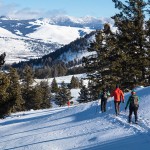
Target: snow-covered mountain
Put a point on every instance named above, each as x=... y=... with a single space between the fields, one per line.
x=80 y=127
x=25 y=39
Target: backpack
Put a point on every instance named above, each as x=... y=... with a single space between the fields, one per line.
x=134 y=102
x=104 y=95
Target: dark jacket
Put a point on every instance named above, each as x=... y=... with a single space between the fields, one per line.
x=130 y=99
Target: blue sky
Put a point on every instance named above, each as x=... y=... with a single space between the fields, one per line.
x=42 y=8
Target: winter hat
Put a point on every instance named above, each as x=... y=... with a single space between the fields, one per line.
x=117 y=86
x=133 y=92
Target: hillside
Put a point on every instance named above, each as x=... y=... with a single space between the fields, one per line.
x=70 y=53
x=26 y=39
x=81 y=126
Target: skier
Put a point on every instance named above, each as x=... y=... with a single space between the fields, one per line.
x=118 y=97
x=133 y=103
x=104 y=96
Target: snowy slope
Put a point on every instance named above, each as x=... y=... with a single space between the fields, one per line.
x=15 y=47
x=46 y=39
x=6 y=33
x=79 y=127
x=26 y=39
x=58 y=34
x=34 y=38
x=22 y=48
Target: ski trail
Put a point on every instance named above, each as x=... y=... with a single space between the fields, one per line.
x=122 y=120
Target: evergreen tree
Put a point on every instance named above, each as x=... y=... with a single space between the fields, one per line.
x=14 y=90
x=27 y=82
x=74 y=83
x=80 y=83
x=4 y=100
x=84 y=94
x=2 y=59
x=132 y=42
x=54 y=86
x=123 y=56
x=93 y=88
x=27 y=77
x=98 y=65
x=46 y=95
x=148 y=50
x=36 y=98
x=63 y=95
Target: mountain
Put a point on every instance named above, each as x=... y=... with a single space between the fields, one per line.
x=70 y=54
x=80 y=127
x=26 y=39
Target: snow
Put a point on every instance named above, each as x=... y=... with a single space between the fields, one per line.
x=19 y=51
x=6 y=33
x=79 y=127
x=58 y=34
x=61 y=79
x=22 y=48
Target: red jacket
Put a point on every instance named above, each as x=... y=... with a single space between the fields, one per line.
x=68 y=103
x=118 y=95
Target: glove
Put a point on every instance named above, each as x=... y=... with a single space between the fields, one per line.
x=122 y=101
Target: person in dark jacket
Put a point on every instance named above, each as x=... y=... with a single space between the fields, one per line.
x=104 y=96
x=133 y=103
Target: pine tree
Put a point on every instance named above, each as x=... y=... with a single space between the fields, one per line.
x=93 y=89
x=98 y=65
x=36 y=98
x=4 y=100
x=54 y=86
x=2 y=59
x=80 y=83
x=74 y=83
x=14 y=90
x=63 y=95
x=148 y=51
x=4 y=84
x=27 y=82
x=46 y=95
x=27 y=77
x=132 y=44
x=84 y=95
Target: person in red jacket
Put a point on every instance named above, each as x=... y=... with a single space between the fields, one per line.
x=118 y=97
x=68 y=103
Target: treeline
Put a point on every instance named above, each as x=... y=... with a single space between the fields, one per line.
x=58 y=69
x=20 y=95
x=121 y=56
x=23 y=94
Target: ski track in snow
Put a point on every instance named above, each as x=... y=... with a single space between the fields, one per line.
x=80 y=127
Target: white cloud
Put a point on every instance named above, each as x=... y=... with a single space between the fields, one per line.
x=13 y=11
x=5 y=9
x=25 y=13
